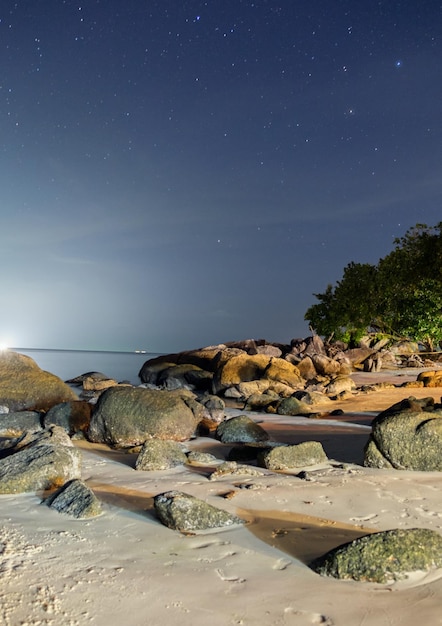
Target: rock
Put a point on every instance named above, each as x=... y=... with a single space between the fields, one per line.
x=306 y=368
x=214 y=410
x=431 y=379
x=340 y=384
x=24 y=386
x=156 y=455
x=240 y=429
x=314 y=345
x=183 y=512
x=290 y=457
x=201 y=458
x=78 y=380
x=269 y=350
x=262 y=401
x=281 y=371
x=293 y=406
x=74 y=417
x=239 y=368
x=15 y=423
x=313 y=398
x=406 y=439
x=48 y=460
x=128 y=416
x=383 y=557
x=93 y=384
x=356 y=356
x=75 y=499
x=152 y=370
x=324 y=365
x=232 y=468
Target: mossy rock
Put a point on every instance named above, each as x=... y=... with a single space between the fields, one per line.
x=156 y=455
x=291 y=457
x=383 y=557
x=240 y=429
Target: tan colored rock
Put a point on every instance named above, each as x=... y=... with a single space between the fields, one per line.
x=431 y=379
x=24 y=386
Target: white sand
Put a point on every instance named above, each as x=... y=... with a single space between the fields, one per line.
x=126 y=568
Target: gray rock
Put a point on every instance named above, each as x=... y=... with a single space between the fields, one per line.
x=383 y=557
x=201 y=458
x=75 y=499
x=47 y=461
x=240 y=429
x=293 y=406
x=128 y=416
x=290 y=457
x=157 y=454
x=17 y=422
x=183 y=512
x=409 y=440
x=73 y=417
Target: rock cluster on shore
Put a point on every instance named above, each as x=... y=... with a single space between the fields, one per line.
x=184 y=394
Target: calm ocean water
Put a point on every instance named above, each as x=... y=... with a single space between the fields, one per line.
x=70 y=363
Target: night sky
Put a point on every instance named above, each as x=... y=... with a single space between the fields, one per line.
x=177 y=174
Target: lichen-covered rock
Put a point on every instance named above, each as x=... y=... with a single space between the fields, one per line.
x=15 y=423
x=240 y=429
x=47 y=460
x=339 y=384
x=232 y=468
x=383 y=557
x=201 y=458
x=156 y=455
x=72 y=416
x=409 y=440
x=291 y=457
x=128 y=416
x=76 y=499
x=24 y=386
x=183 y=512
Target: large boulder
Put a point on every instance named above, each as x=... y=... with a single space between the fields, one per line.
x=24 y=386
x=406 y=436
x=47 y=460
x=383 y=557
x=128 y=416
x=181 y=511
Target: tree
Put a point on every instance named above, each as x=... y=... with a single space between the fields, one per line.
x=400 y=296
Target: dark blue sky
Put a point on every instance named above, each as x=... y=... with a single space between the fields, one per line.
x=177 y=174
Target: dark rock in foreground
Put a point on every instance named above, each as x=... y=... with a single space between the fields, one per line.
x=383 y=557
x=75 y=499
x=183 y=512
x=24 y=386
x=48 y=460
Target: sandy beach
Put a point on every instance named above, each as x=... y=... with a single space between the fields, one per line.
x=125 y=567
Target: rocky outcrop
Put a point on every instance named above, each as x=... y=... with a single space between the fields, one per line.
x=183 y=512
x=431 y=379
x=41 y=461
x=128 y=416
x=383 y=557
x=407 y=436
x=24 y=386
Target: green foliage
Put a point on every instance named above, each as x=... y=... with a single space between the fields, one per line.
x=401 y=296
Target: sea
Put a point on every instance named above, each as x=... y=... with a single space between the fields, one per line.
x=67 y=364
